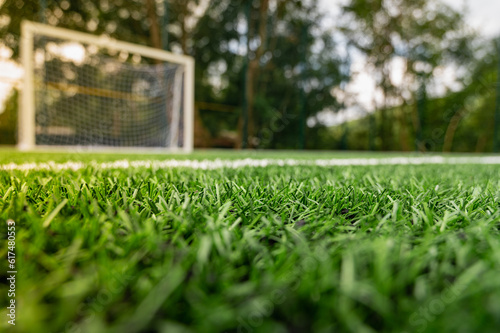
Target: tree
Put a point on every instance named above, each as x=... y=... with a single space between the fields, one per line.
x=422 y=34
x=471 y=118
x=280 y=63
x=215 y=33
x=125 y=20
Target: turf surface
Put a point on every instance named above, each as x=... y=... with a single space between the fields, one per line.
x=275 y=249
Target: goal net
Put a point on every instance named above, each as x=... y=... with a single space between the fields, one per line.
x=85 y=90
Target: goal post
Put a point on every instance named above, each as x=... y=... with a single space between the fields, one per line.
x=103 y=98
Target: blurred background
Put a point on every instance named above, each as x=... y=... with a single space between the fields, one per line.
x=381 y=75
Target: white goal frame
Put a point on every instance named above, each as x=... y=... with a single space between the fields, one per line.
x=27 y=123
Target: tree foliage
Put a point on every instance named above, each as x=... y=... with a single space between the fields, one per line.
x=423 y=35
x=280 y=49
x=277 y=60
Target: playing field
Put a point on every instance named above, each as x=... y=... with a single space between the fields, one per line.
x=253 y=242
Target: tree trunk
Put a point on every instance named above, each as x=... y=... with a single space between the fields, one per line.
x=273 y=42
x=416 y=125
x=184 y=33
x=154 y=27
x=403 y=130
x=254 y=68
x=450 y=131
x=482 y=141
x=383 y=121
x=385 y=126
x=404 y=137
x=250 y=92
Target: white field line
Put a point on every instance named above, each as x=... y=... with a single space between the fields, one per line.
x=248 y=162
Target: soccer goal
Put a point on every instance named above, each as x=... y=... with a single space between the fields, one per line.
x=82 y=90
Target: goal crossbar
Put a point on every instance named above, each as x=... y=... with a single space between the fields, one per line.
x=27 y=96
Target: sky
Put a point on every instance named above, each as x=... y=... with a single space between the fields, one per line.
x=483 y=15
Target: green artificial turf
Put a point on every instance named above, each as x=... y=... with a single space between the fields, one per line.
x=275 y=249
x=11 y=155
